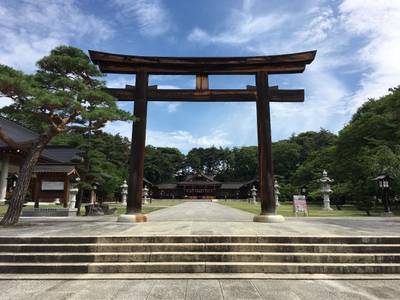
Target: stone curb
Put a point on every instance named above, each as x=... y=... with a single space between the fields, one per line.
x=202 y=276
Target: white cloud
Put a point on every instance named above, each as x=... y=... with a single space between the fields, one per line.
x=241 y=27
x=180 y=139
x=119 y=81
x=377 y=23
x=352 y=37
x=150 y=15
x=4 y=101
x=171 y=106
x=185 y=140
x=29 y=29
x=315 y=27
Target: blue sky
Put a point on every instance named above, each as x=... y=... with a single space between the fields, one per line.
x=358 y=43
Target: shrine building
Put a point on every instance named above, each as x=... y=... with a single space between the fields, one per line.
x=52 y=175
x=201 y=186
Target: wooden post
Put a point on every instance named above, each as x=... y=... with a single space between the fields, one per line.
x=36 y=189
x=266 y=169
x=66 y=191
x=201 y=82
x=136 y=165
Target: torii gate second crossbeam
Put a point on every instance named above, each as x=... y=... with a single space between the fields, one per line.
x=262 y=94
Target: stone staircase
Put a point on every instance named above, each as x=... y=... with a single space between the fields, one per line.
x=201 y=254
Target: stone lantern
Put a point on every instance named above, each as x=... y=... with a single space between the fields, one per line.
x=73 y=191
x=93 y=194
x=124 y=191
x=276 y=193
x=254 y=194
x=384 y=184
x=145 y=194
x=326 y=189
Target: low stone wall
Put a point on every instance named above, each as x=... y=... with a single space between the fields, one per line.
x=48 y=212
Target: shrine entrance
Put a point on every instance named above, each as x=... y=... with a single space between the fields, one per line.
x=201 y=67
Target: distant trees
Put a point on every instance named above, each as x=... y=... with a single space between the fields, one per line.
x=105 y=160
x=162 y=164
x=369 y=146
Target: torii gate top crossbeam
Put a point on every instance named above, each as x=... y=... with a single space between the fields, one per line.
x=132 y=64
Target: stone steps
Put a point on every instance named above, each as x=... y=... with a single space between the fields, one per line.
x=200 y=257
x=201 y=239
x=202 y=247
x=200 y=267
x=200 y=254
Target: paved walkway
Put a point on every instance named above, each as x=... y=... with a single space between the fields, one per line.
x=200 y=211
x=200 y=289
x=205 y=218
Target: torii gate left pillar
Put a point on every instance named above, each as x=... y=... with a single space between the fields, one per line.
x=136 y=161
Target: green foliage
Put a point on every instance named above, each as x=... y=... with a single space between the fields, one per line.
x=161 y=164
x=212 y=161
x=243 y=164
x=63 y=95
x=369 y=146
x=105 y=160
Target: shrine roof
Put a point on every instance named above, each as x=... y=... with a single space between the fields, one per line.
x=55 y=168
x=232 y=185
x=193 y=177
x=166 y=186
x=62 y=154
x=18 y=133
x=23 y=136
x=203 y=182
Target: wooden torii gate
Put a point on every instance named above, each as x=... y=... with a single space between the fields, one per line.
x=201 y=67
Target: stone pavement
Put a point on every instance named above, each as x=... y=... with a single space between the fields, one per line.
x=200 y=211
x=205 y=218
x=199 y=289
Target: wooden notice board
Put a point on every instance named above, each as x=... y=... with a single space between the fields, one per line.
x=300 y=205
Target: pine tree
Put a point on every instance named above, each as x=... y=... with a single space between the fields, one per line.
x=64 y=95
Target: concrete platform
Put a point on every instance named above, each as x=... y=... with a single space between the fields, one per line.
x=205 y=218
x=200 y=289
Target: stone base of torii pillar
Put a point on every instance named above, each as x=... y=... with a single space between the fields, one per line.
x=132 y=218
x=272 y=218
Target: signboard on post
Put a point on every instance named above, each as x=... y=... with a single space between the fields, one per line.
x=52 y=185
x=300 y=205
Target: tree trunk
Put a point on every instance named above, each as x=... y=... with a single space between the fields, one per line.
x=17 y=200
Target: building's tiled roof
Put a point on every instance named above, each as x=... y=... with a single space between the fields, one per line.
x=252 y=181
x=166 y=186
x=22 y=135
x=62 y=154
x=18 y=133
x=199 y=183
x=232 y=185
x=54 y=168
x=192 y=177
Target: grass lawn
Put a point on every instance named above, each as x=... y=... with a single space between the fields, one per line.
x=314 y=210
x=121 y=209
x=147 y=208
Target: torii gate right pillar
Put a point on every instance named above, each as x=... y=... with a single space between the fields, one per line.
x=265 y=161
